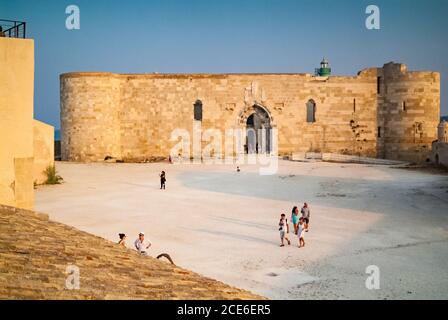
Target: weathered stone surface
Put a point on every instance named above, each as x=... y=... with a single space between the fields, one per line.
x=386 y=112
x=35 y=252
x=16 y=122
x=26 y=145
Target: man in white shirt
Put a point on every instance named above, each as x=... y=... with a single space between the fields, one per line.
x=141 y=244
x=306 y=216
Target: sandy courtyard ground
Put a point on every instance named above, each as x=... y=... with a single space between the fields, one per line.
x=224 y=224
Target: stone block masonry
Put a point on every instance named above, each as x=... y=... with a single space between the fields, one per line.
x=385 y=112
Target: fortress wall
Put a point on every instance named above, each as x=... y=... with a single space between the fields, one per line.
x=345 y=116
x=132 y=117
x=409 y=112
x=90 y=117
x=153 y=106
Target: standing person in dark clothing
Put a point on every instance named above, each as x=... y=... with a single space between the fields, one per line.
x=162 y=180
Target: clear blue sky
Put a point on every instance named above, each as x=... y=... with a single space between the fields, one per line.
x=211 y=36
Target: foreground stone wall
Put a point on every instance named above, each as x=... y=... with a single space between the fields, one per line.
x=16 y=122
x=26 y=145
x=131 y=117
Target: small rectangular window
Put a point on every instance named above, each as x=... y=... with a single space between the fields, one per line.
x=379 y=132
x=354 y=105
x=403 y=105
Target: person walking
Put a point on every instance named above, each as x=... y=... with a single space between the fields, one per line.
x=295 y=218
x=162 y=180
x=301 y=233
x=284 y=230
x=306 y=216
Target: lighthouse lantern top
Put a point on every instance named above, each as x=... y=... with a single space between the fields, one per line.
x=324 y=70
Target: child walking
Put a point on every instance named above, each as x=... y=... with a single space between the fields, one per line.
x=301 y=232
x=284 y=230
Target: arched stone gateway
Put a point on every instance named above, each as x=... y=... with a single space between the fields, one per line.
x=258 y=125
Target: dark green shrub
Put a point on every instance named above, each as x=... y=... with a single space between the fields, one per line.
x=52 y=175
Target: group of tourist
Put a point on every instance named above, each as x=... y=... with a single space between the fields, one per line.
x=300 y=222
x=140 y=244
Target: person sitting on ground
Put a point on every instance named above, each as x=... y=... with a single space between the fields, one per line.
x=295 y=218
x=122 y=241
x=162 y=180
x=306 y=216
x=300 y=233
x=238 y=169
x=284 y=229
x=141 y=244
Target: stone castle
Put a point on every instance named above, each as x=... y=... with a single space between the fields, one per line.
x=386 y=112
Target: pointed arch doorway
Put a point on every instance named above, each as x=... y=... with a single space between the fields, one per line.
x=258 y=131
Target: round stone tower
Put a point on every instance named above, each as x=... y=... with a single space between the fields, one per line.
x=409 y=112
x=90 y=129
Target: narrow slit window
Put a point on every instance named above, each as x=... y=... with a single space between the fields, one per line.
x=379 y=132
x=198 y=110
x=378 y=84
x=310 y=111
x=403 y=106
